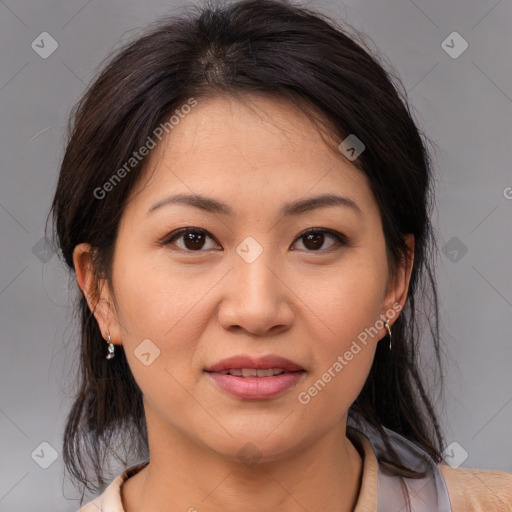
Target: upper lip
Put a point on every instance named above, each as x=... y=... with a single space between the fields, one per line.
x=258 y=363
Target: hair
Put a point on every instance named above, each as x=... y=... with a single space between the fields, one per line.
x=275 y=48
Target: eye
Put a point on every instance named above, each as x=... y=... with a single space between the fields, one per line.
x=314 y=239
x=194 y=239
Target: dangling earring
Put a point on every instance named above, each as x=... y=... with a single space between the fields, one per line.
x=110 y=354
x=389 y=332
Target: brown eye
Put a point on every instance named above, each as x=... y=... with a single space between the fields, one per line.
x=314 y=239
x=193 y=240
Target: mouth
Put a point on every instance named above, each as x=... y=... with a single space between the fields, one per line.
x=252 y=372
x=247 y=365
x=249 y=378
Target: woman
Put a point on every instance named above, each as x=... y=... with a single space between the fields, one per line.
x=244 y=200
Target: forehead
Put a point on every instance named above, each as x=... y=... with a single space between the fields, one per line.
x=227 y=146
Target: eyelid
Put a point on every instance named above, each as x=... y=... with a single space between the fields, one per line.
x=339 y=237
x=167 y=239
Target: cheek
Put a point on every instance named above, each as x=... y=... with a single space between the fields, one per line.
x=342 y=365
x=348 y=302
x=167 y=307
x=161 y=315
x=345 y=316
x=155 y=296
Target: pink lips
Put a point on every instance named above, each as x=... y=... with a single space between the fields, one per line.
x=253 y=387
x=257 y=387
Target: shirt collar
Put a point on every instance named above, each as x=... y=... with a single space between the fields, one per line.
x=367 y=500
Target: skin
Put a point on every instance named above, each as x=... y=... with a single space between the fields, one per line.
x=199 y=307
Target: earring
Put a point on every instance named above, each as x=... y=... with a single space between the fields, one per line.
x=389 y=332
x=110 y=354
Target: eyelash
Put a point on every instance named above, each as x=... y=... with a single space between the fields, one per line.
x=341 y=239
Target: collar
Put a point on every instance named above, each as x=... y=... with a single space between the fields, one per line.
x=396 y=492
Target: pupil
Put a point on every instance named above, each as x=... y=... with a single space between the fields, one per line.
x=317 y=240
x=194 y=240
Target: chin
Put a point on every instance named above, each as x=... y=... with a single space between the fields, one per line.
x=256 y=446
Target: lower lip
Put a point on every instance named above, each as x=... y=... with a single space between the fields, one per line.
x=257 y=387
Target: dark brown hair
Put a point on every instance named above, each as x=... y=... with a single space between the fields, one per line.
x=252 y=46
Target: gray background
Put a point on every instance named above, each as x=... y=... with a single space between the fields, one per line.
x=463 y=104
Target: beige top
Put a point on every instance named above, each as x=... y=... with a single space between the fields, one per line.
x=469 y=490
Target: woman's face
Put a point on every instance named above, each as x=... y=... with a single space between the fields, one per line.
x=248 y=281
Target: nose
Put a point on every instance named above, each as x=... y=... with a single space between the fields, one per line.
x=257 y=297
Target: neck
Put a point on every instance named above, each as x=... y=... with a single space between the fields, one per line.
x=184 y=476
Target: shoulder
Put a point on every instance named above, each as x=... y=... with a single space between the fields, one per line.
x=92 y=506
x=110 y=499
x=478 y=490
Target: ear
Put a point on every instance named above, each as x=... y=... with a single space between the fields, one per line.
x=97 y=293
x=398 y=286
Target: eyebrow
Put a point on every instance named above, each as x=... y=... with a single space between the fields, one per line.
x=298 y=207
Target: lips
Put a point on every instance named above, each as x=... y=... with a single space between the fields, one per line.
x=252 y=372
x=248 y=363
x=256 y=378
